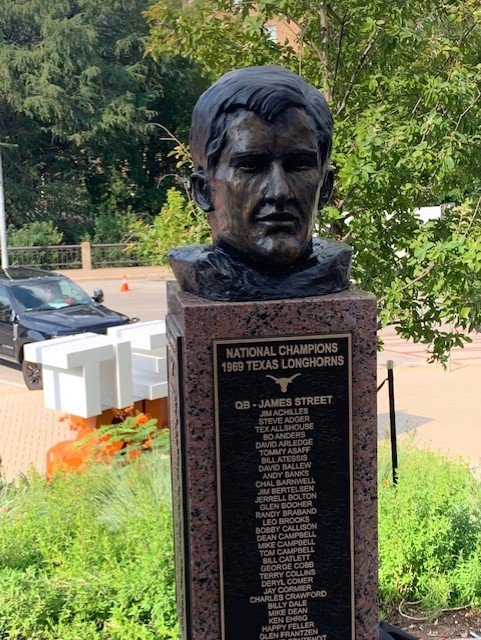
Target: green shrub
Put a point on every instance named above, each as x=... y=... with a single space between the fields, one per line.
x=430 y=531
x=112 y=226
x=35 y=234
x=178 y=223
x=89 y=556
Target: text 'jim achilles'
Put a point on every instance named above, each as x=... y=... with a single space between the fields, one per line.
x=283 y=423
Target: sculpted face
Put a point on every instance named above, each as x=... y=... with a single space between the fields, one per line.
x=263 y=196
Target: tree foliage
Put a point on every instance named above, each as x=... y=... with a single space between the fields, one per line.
x=403 y=82
x=78 y=96
x=35 y=234
x=178 y=222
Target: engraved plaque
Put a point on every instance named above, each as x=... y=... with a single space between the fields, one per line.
x=284 y=487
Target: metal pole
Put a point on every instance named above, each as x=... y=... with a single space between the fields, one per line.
x=3 y=220
x=392 y=419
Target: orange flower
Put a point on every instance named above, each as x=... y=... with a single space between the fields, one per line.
x=133 y=454
x=142 y=418
x=148 y=443
x=77 y=423
x=63 y=457
x=106 y=451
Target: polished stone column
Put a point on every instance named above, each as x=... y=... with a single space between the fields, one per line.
x=194 y=325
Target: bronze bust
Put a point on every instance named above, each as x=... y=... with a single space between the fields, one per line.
x=261 y=140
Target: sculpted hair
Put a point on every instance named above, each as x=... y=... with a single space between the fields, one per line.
x=267 y=91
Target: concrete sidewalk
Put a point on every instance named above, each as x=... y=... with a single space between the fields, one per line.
x=27 y=431
x=441 y=407
x=407 y=353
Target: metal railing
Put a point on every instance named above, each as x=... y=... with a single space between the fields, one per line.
x=75 y=256
x=113 y=255
x=67 y=256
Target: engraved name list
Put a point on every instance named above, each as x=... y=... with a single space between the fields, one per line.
x=283 y=433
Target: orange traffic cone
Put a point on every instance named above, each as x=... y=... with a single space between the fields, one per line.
x=125 y=285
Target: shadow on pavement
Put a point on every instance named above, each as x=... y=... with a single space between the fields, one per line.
x=405 y=422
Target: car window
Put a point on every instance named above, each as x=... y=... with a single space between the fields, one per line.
x=70 y=289
x=45 y=296
x=4 y=301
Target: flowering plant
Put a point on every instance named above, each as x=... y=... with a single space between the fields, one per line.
x=133 y=435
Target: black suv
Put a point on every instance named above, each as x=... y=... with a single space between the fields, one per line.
x=36 y=305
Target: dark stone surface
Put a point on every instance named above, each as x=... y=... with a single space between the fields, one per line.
x=261 y=140
x=219 y=274
x=199 y=322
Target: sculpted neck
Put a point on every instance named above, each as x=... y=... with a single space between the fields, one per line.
x=252 y=262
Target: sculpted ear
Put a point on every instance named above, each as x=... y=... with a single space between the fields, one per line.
x=327 y=188
x=201 y=191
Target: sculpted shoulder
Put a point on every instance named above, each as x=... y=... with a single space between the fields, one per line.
x=213 y=273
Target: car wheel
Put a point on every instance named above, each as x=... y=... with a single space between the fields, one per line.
x=32 y=375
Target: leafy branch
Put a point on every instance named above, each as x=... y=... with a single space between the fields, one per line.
x=357 y=70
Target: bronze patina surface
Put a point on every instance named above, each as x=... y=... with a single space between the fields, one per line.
x=261 y=140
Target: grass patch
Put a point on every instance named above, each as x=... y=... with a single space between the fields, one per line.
x=429 y=531
x=89 y=556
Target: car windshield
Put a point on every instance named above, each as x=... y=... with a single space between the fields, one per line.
x=44 y=296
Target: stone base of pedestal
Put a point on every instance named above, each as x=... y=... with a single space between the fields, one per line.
x=273 y=420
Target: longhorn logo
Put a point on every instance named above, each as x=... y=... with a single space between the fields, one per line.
x=284 y=382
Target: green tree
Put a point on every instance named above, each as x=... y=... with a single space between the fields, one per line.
x=403 y=82
x=77 y=95
x=179 y=222
x=35 y=234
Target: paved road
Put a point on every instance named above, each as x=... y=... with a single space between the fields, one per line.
x=146 y=300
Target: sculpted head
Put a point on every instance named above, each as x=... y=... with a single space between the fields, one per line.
x=261 y=140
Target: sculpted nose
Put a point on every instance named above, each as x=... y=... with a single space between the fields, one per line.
x=277 y=187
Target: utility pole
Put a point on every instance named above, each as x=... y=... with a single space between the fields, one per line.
x=3 y=216
x=3 y=219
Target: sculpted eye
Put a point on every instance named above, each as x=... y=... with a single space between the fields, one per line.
x=302 y=162
x=251 y=164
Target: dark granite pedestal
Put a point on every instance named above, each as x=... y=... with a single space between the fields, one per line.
x=273 y=419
